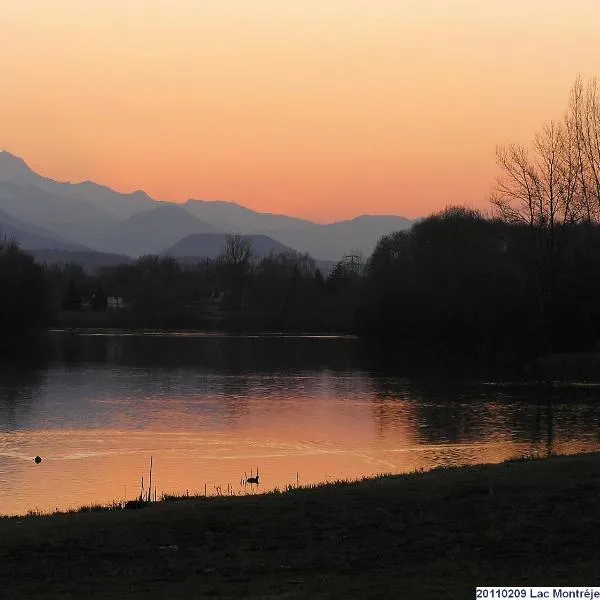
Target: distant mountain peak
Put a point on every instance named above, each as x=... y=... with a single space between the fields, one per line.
x=210 y=245
x=165 y=210
x=367 y=217
x=140 y=194
x=221 y=202
x=237 y=206
x=12 y=167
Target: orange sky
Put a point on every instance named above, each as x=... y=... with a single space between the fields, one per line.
x=323 y=109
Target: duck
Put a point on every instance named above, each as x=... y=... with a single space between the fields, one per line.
x=253 y=479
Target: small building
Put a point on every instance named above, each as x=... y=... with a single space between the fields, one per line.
x=114 y=303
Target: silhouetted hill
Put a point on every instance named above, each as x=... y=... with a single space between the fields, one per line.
x=210 y=245
x=330 y=242
x=89 y=260
x=119 y=206
x=334 y=240
x=234 y=218
x=150 y=231
x=66 y=217
x=30 y=237
x=12 y=167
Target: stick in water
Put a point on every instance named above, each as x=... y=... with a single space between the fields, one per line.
x=150 y=484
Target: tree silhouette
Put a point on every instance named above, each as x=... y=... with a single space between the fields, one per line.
x=235 y=263
x=72 y=298
x=24 y=298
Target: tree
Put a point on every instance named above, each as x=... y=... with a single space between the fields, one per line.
x=386 y=308
x=72 y=297
x=24 y=300
x=156 y=292
x=235 y=262
x=557 y=182
x=238 y=250
x=99 y=301
x=540 y=188
x=553 y=187
x=285 y=291
x=583 y=125
x=344 y=286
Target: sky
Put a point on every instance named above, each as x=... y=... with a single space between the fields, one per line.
x=322 y=109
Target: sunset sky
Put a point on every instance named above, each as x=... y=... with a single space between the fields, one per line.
x=323 y=109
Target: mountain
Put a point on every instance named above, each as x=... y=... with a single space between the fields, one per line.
x=77 y=212
x=135 y=224
x=234 y=218
x=335 y=240
x=328 y=242
x=150 y=231
x=89 y=259
x=210 y=245
x=12 y=167
x=119 y=206
x=115 y=204
x=30 y=237
x=65 y=217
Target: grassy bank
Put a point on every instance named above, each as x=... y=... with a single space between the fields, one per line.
x=429 y=535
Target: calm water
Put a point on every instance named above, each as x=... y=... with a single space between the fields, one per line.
x=209 y=409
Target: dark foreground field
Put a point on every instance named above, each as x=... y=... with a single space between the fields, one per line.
x=432 y=535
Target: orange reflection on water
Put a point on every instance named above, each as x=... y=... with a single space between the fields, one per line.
x=86 y=467
x=211 y=410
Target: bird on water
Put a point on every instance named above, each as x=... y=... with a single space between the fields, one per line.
x=253 y=479
x=37 y=460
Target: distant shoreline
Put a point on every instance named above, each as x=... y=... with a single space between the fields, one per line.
x=402 y=358
x=116 y=331
x=225 y=322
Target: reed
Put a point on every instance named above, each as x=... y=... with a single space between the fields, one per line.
x=150 y=484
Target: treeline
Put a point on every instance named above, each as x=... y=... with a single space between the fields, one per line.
x=455 y=282
x=24 y=295
x=460 y=282
x=526 y=280
x=237 y=291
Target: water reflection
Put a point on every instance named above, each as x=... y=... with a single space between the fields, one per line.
x=20 y=388
x=209 y=409
x=236 y=354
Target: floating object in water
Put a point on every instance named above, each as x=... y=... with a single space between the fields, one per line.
x=37 y=460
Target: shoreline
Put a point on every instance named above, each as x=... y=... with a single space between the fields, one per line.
x=168 y=498
x=553 y=368
x=523 y=522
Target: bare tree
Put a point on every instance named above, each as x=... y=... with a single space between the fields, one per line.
x=583 y=124
x=554 y=184
x=557 y=181
x=238 y=251
x=541 y=187
x=515 y=196
x=235 y=261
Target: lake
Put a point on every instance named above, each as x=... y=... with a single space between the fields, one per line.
x=211 y=409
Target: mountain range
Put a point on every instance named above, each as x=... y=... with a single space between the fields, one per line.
x=32 y=237
x=43 y=214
